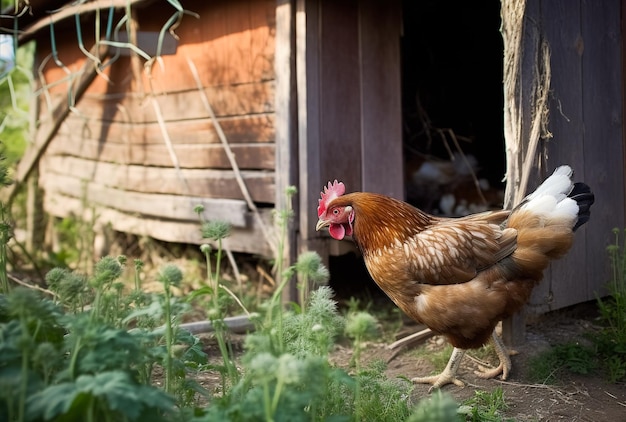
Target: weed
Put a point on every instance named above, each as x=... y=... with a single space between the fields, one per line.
x=91 y=353
x=610 y=341
x=440 y=407
x=484 y=406
x=360 y=326
x=437 y=358
x=549 y=366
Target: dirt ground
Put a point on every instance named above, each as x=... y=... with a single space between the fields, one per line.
x=574 y=398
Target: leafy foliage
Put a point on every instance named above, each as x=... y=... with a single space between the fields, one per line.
x=549 y=366
x=91 y=351
x=484 y=406
x=59 y=361
x=441 y=407
x=611 y=340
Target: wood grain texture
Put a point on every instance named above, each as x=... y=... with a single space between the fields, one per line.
x=190 y=156
x=247 y=239
x=173 y=207
x=158 y=180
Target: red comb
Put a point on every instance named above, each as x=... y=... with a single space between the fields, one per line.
x=330 y=192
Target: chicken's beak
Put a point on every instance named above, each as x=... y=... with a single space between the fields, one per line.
x=321 y=224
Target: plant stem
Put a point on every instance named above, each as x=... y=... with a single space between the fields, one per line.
x=74 y=359
x=4 y=239
x=168 y=339
x=269 y=416
x=217 y=319
x=23 y=383
x=277 y=393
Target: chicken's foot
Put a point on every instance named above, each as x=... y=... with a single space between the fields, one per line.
x=448 y=376
x=505 y=361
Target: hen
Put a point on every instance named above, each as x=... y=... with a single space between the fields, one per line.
x=460 y=276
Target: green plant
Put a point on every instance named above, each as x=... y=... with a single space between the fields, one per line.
x=54 y=364
x=437 y=358
x=91 y=353
x=549 y=366
x=5 y=227
x=217 y=231
x=610 y=341
x=360 y=327
x=484 y=406
x=440 y=407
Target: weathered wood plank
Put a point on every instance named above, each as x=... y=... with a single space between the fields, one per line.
x=241 y=129
x=238 y=55
x=246 y=240
x=308 y=69
x=173 y=207
x=227 y=100
x=381 y=107
x=340 y=86
x=192 y=182
x=603 y=134
x=248 y=156
x=286 y=139
x=263 y=17
x=566 y=146
x=226 y=40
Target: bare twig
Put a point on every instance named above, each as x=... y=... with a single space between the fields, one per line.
x=32 y=286
x=407 y=341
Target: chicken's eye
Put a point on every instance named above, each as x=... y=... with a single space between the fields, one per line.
x=336 y=211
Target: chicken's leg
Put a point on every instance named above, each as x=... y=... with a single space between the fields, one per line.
x=505 y=361
x=448 y=376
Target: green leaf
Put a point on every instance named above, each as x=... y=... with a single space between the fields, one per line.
x=53 y=401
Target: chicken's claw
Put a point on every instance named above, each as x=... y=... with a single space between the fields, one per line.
x=448 y=376
x=439 y=381
x=487 y=373
x=505 y=361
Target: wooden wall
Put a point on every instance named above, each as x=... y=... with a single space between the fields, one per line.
x=142 y=146
x=586 y=123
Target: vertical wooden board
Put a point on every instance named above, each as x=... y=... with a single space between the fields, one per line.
x=340 y=113
x=381 y=108
x=308 y=76
x=286 y=139
x=564 y=281
x=603 y=133
x=286 y=142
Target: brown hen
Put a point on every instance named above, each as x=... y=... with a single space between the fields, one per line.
x=460 y=276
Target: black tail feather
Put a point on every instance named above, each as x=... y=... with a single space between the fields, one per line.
x=581 y=193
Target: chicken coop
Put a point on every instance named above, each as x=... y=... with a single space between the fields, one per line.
x=145 y=110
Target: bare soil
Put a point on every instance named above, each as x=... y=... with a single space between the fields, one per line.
x=573 y=398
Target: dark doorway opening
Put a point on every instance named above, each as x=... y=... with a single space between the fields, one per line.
x=453 y=104
x=451 y=89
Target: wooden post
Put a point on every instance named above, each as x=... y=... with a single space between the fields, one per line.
x=286 y=140
x=526 y=86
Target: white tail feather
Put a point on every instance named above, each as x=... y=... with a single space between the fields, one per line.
x=559 y=183
x=550 y=198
